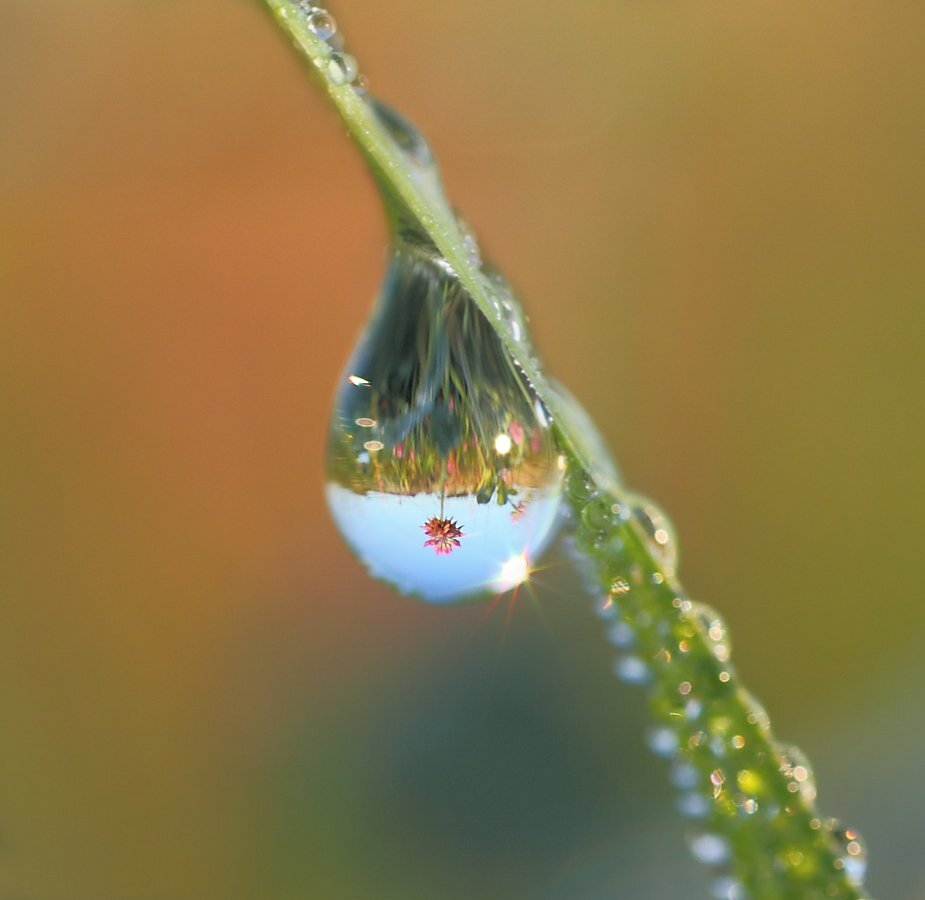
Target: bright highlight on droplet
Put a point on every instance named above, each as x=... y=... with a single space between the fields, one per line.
x=374 y=445
x=503 y=444
x=365 y=422
x=357 y=380
x=515 y=571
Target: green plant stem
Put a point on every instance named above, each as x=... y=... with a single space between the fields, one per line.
x=758 y=802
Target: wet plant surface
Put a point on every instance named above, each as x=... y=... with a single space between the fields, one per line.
x=447 y=377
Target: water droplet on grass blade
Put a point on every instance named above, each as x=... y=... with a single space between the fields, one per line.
x=342 y=67
x=321 y=23
x=659 y=533
x=408 y=138
x=463 y=488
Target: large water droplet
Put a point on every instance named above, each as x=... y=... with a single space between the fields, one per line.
x=443 y=471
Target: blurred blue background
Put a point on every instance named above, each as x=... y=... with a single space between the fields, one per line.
x=713 y=213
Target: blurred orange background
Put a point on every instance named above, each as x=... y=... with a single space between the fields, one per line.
x=713 y=213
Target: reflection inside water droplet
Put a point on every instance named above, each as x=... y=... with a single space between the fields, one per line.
x=443 y=470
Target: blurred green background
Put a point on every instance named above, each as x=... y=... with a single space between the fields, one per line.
x=714 y=214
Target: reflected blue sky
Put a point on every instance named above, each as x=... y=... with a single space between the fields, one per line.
x=385 y=531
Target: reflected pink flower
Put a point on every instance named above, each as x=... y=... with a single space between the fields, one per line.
x=516 y=431
x=398 y=451
x=442 y=534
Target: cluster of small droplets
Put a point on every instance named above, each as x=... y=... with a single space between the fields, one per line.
x=342 y=67
x=746 y=796
x=852 y=857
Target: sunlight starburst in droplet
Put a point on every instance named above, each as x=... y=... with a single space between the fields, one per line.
x=514 y=572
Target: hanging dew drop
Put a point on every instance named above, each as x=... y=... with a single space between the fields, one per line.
x=463 y=489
